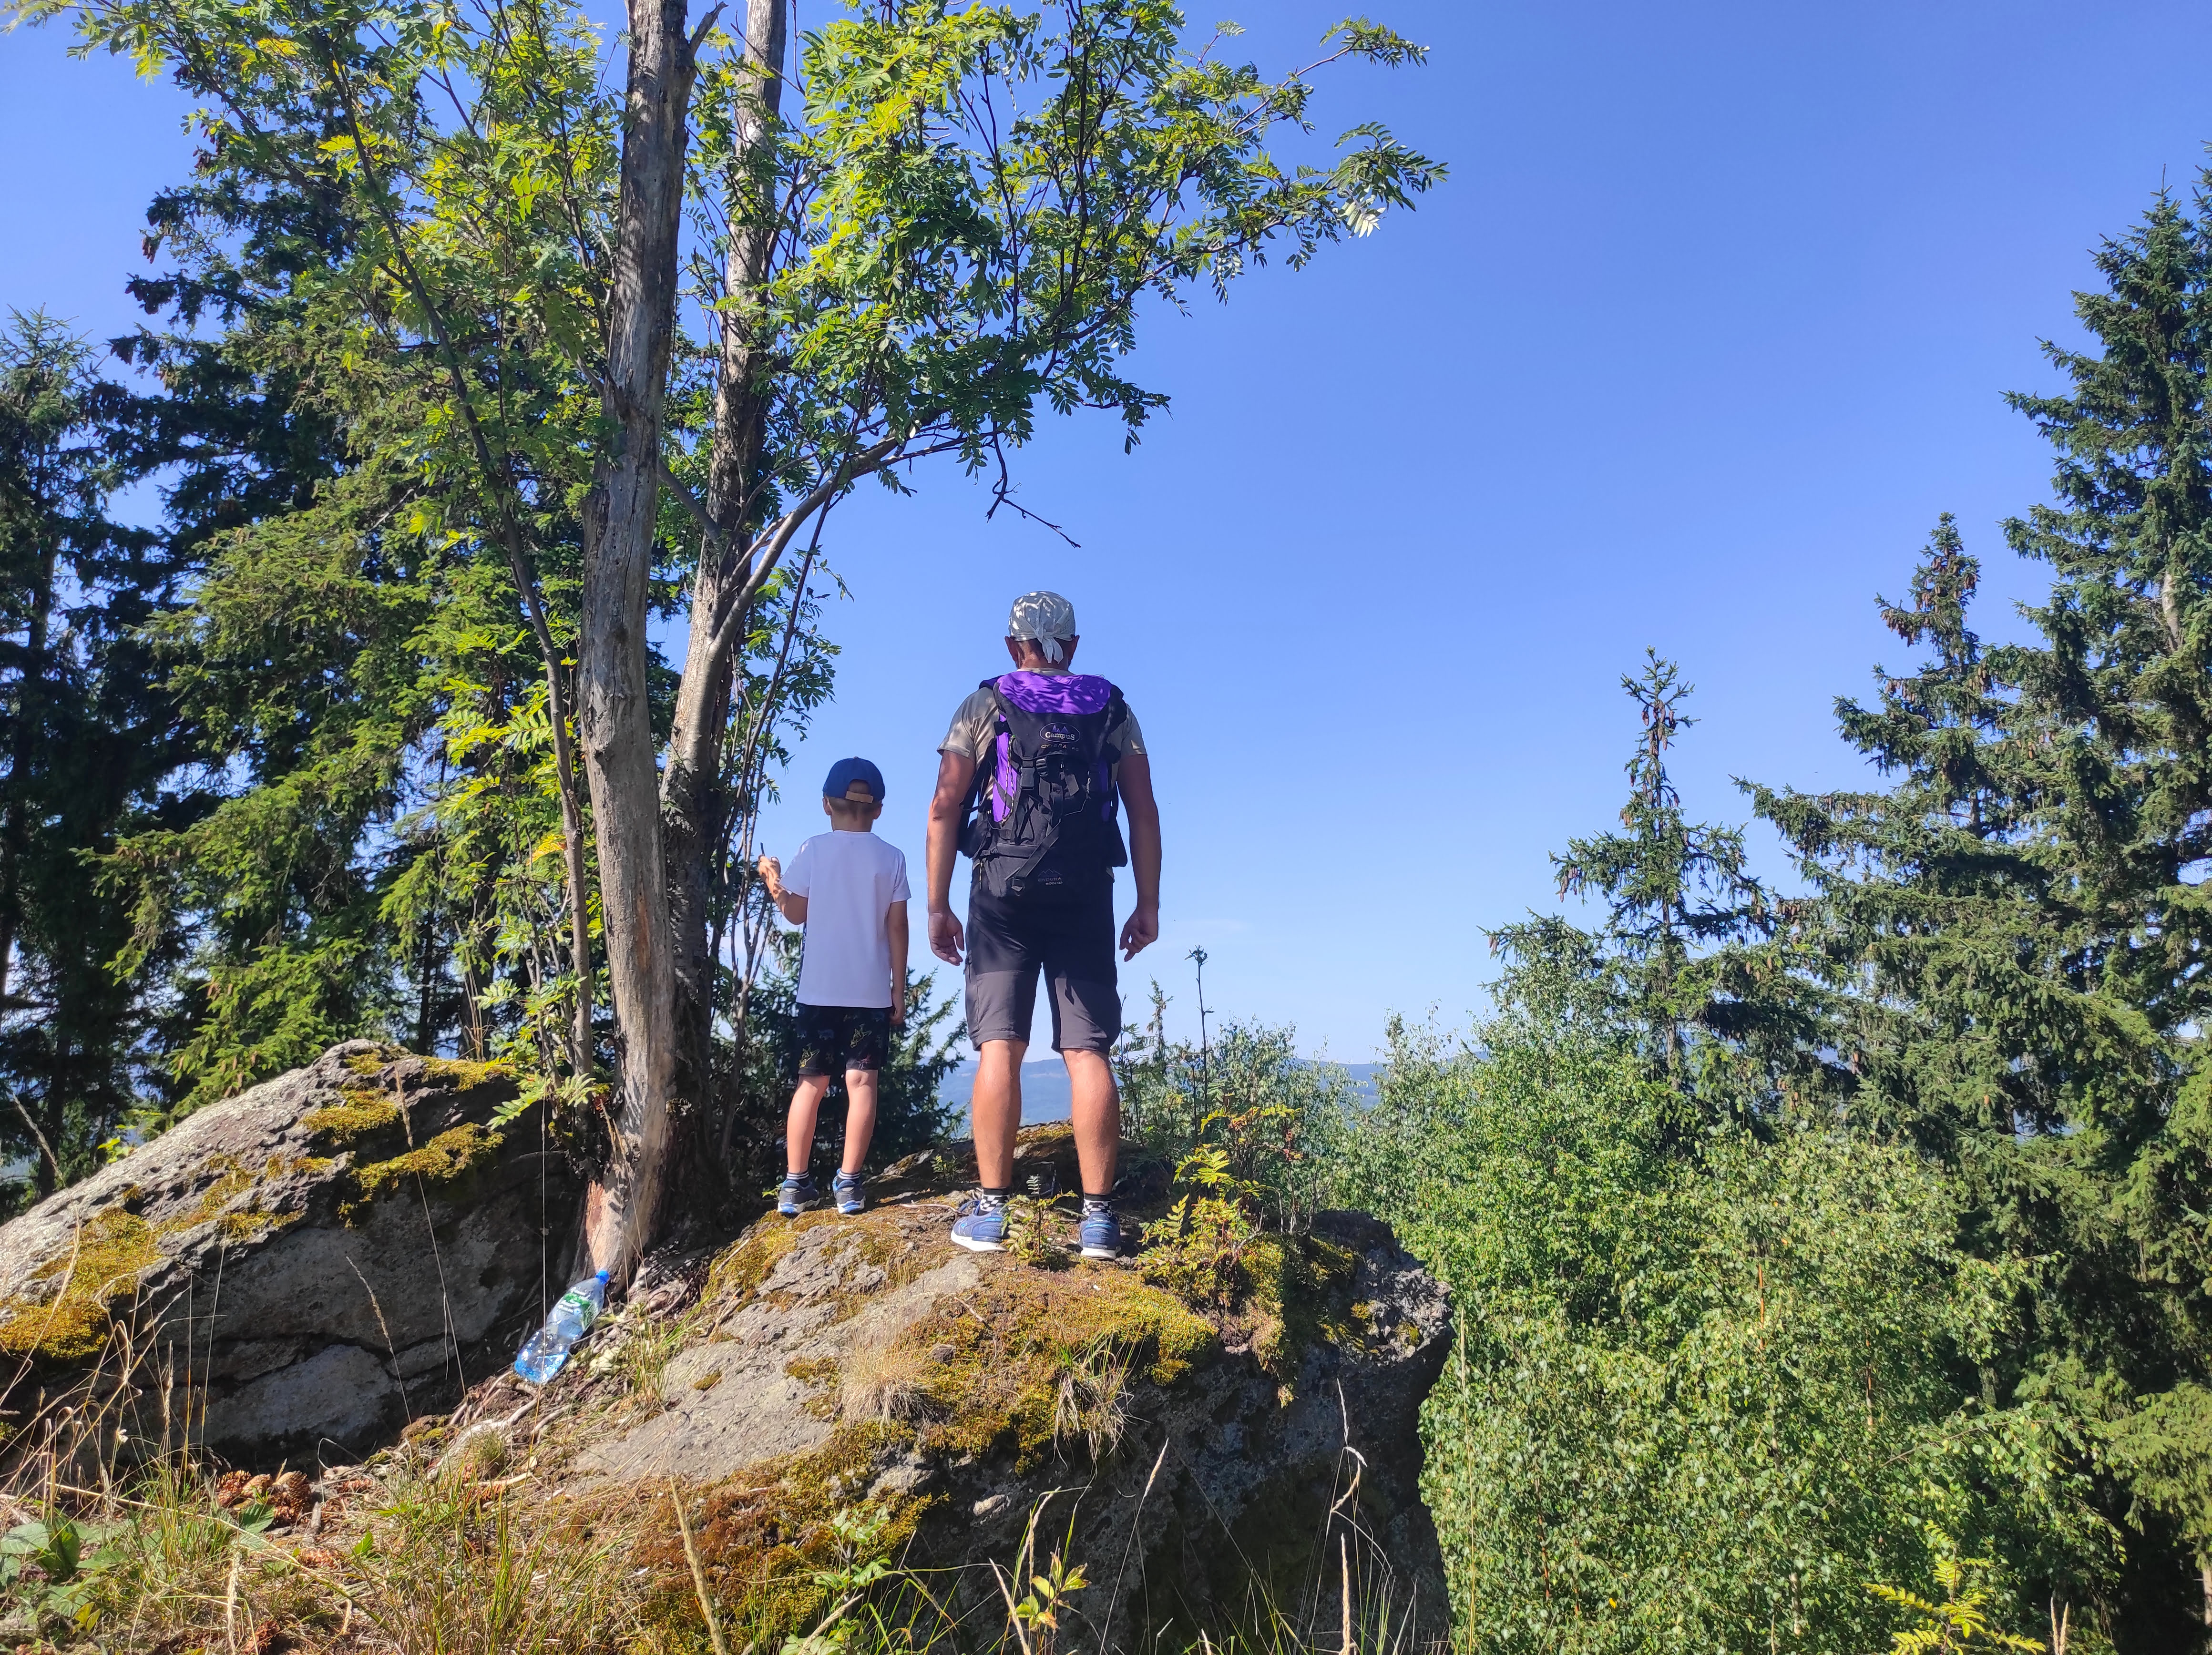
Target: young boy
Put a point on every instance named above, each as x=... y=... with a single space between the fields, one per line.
x=849 y=889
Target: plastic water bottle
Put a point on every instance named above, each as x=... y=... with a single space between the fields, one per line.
x=545 y=1353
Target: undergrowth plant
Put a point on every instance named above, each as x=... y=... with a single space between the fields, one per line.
x=1031 y=1234
x=1265 y=1113
x=1196 y=1250
x=1960 y=1620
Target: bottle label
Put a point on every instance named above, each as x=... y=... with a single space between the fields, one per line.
x=580 y=1302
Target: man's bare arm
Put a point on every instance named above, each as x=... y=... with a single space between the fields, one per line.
x=1136 y=784
x=955 y=774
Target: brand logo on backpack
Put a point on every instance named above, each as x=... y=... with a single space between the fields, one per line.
x=1043 y=812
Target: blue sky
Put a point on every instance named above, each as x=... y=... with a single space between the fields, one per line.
x=1712 y=320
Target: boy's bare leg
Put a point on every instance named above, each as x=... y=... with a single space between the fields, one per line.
x=799 y=1128
x=996 y=1111
x=1095 y=1108
x=859 y=1116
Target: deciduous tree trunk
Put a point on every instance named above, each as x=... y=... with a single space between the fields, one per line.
x=695 y=803
x=614 y=715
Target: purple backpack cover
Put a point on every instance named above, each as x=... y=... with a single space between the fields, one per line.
x=1045 y=803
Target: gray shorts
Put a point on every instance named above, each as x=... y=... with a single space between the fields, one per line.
x=1067 y=935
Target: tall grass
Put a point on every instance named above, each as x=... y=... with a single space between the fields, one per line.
x=128 y=1552
x=442 y=1572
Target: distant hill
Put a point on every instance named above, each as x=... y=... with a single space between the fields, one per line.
x=1044 y=1086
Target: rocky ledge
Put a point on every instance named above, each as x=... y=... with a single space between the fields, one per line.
x=827 y=1378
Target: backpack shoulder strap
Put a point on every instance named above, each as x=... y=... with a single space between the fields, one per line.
x=1117 y=711
x=986 y=765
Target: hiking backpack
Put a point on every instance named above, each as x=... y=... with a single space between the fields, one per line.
x=1042 y=813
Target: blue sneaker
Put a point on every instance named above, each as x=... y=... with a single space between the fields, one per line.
x=981 y=1226
x=796 y=1194
x=850 y=1191
x=1100 y=1235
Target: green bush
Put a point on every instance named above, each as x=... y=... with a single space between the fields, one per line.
x=1702 y=1395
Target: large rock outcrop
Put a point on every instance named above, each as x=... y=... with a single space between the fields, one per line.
x=300 y=1269
x=1199 y=1460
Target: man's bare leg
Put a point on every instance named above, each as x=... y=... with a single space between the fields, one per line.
x=996 y=1111
x=1095 y=1108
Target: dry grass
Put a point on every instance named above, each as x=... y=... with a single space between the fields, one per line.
x=464 y=1554
x=141 y=1549
x=445 y=1560
x=1093 y=1402
x=886 y=1380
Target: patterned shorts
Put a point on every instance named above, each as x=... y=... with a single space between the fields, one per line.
x=834 y=1039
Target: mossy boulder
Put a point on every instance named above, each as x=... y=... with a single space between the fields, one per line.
x=304 y=1266
x=827 y=1377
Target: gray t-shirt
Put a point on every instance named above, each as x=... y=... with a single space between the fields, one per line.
x=976 y=725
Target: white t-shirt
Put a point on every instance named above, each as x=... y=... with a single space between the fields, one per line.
x=850 y=882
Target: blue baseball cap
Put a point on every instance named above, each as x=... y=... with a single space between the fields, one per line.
x=845 y=772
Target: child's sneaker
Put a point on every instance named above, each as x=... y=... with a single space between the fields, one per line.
x=982 y=1225
x=1101 y=1233
x=796 y=1194
x=850 y=1191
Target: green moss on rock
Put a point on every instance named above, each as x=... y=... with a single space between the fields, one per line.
x=71 y=1323
x=363 y=1114
x=1295 y=1289
x=234 y=1180
x=465 y=1077
x=999 y=1358
x=67 y=1323
x=445 y=1158
x=738 y=1271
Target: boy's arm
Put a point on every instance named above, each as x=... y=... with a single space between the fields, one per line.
x=792 y=908
x=895 y=926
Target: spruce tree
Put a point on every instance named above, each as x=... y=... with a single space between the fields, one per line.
x=1695 y=961
x=89 y=736
x=2026 y=907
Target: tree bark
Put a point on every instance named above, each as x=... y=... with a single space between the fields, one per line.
x=623 y=1209
x=694 y=801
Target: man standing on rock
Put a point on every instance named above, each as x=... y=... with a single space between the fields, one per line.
x=1028 y=782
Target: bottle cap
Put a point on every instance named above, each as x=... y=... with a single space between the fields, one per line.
x=602 y=1276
